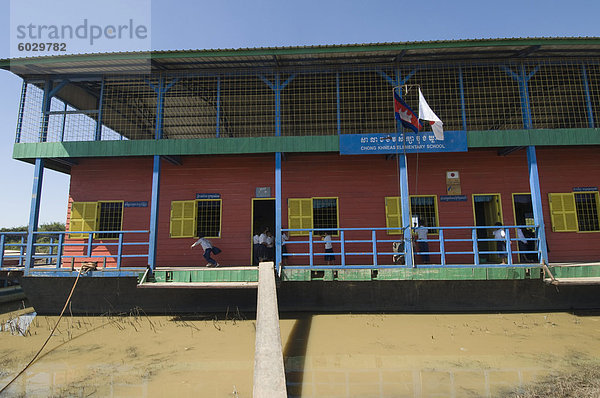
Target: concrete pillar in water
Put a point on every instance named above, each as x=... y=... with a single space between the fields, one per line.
x=269 y=372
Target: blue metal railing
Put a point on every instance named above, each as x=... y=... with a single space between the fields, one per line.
x=13 y=248
x=454 y=246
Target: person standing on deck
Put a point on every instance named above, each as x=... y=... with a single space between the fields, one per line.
x=263 y=243
x=522 y=244
x=329 y=258
x=208 y=249
x=500 y=235
x=256 y=248
x=270 y=243
x=422 y=243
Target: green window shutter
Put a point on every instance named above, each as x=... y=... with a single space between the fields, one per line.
x=183 y=219
x=300 y=215
x=393 y=215
x=84 y=216
x=563 y=212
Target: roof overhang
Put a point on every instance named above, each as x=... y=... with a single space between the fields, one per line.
x=327 y=55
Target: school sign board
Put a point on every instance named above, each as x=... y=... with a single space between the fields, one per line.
x=390 y=143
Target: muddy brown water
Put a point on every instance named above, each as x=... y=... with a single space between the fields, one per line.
x=341 y=355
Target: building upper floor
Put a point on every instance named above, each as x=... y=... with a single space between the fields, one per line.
x=502 y=92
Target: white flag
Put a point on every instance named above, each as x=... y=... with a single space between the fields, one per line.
x=425 y=113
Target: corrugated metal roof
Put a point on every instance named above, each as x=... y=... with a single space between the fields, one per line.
x=173 y=60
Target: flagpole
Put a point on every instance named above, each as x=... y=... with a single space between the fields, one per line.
x=404 y=196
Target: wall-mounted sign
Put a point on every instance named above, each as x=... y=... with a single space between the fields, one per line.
x=390 y=143
x=136 y=204
x=262 y=192
x=208 y=196
x=453 y=183
x=584 y=189
x=453 y=198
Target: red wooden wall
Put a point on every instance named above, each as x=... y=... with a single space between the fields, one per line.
x=360 y=183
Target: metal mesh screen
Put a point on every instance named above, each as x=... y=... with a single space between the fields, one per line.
x=302 y=102
x=325 y=214
x=129 y=107
x=309 y=105
x=110 y=219
x=209 y=219
x=247 y=106
x=424 y=208
x=191 y=108
x=557 y=97
x=592 y=73
x=587 y=206
x=30 y=118
x=492 y=100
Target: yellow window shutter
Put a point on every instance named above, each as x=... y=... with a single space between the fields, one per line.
x=563 y=212
x=300 y=215
x=183 y=218
x=393 y=214
x=84 y=216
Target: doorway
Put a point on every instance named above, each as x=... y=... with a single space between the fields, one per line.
x=487 y=210
x=523 y=210
x=263 y=216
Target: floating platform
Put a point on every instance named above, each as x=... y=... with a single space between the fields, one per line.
x=231 y=289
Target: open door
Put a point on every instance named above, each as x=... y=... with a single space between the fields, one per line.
x=487 y=210
x=523 y=210
x=263 y=216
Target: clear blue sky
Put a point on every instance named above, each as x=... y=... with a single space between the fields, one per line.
x=247 y=23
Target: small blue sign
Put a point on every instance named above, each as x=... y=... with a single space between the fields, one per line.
x=585 y=189
x=136 y=204
x=390 y=143
x=208 y=196
x=453 y=198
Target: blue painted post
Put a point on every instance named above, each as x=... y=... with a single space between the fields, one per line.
x=338 y=103
x=22 y=250
x=475 y=246
x=1 y=249
x=278 y=212
x=218 y=106
x=34 y=213
x=534 y=179
x=442 y=249
x=374 y=241
x=89 y=244
x=524 y=92
x=160 y=91
x=508 y=247
x=277 y=90
x=463 y=110
x=277 y=86
x=59 y=250
x=342 y=248
x=64 y=123
x=21 y=111
x=310 y=248
x=45 y=109
x=536 y=201
x=588 y=98
x=404 y=199
x=153 y=237
x=51 y=251
x=403 y=170
x=98 y=136
x=120 y=251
